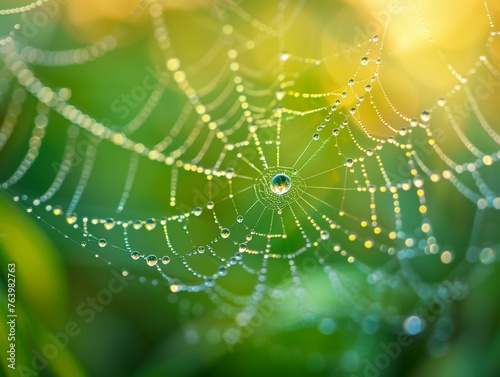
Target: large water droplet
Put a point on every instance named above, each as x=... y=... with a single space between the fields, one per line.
x=71 y=218
x=165 y=260
x=135 y=255
x=425 y=115
x=151 y=260
x=364 y=60
x=349 y=162
x=229 y=173
x=224 y=233
x=137 y=224
x=324 y=234
x=280 y=184
x=102 y=242
x=150 y=224
x=109 y=223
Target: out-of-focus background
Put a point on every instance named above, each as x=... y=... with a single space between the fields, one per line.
x=86 y=310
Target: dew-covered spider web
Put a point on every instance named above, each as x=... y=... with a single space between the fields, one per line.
x=283 y=162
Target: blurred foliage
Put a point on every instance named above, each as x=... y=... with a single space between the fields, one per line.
x=143 y=331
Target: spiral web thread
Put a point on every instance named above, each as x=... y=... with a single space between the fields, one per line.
x=356 y=201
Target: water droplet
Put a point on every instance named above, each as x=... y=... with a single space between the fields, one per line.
x=165 y=260
x=174 y=288
x=336 y=131
x=71 y=218
x=280 y=94
x=151 y=260
x=316 y=136
x=414 y=122
x=150 y=224
x=418 y=181
x=102 y=242
x=222 y=271
x=242 y=247
x=403 y=131
x=197 y=211
x=57 y=210
x=369 y=152
x=349 y=162
x=210 y=205
x=280 y=184
x=487 y=255
x=229 y=173
x=239 y=218
x=109 y=223
x=224 y=233
x=375 y=38
x=441 y=102
x=324 y=234
x=135 y=255
x=252 y=127
x=284 y=56
x=83 y=243
x=365 y=60
x=446 y=257
x=425 y=115
x=201 y=249
x=137 y=224
x=350 y=82
x=413 y=325
x=368 y=88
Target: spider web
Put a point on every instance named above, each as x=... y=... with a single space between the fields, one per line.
x=266 y=158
